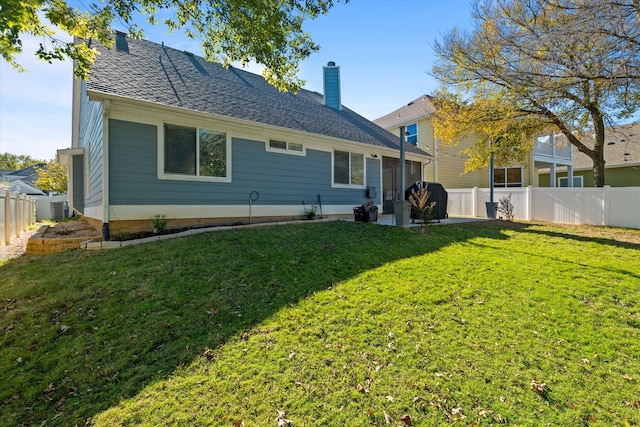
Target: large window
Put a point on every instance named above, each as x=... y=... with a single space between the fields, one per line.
x=412 y=133
x=196 y=152
x=348 y=168
x=507 y=177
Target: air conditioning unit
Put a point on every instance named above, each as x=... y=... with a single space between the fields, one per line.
x=59 y=211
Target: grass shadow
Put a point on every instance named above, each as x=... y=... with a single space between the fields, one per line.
x=619 y=237
x=85 y=330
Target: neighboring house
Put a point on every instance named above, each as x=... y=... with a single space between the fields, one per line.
x=22 y=180
x=447 y=167
x=621 y=155
x=551 y=152
x=161 y=131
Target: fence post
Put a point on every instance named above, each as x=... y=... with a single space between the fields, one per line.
x=25 y=217
x=7 y=217
x=16 y=210
x=606 y=196
x=529 y=203
x=474 y=202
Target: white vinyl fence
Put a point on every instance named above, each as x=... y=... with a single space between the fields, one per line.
x=53 y=208
x=17 y=213
x=616 y=207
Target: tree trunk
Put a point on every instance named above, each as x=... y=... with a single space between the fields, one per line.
x=598 y=172
x=598 y=148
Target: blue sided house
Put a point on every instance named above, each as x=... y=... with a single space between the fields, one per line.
x=159 y=131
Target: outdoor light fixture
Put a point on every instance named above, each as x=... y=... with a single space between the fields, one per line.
x=375 y=156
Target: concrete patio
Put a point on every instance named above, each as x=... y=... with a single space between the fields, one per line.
x=390 y=220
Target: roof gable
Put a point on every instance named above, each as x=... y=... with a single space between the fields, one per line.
x=419 y=108
x=151 y=72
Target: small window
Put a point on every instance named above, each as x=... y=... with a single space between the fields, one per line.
x=278 y=145
x=564 y=182
x=197 y=152
x=348 y=168
x=507 y=177
x=412 y=134
x=284 y=146
x=295 y=147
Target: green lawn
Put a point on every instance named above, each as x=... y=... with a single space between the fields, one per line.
x=334 y=324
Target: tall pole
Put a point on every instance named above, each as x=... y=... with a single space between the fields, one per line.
x=491 y=209
x=491 y=183
x=402 y=162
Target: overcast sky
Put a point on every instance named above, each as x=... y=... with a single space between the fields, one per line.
x=383 y=48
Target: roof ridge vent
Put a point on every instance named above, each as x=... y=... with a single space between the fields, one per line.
x=186 y=52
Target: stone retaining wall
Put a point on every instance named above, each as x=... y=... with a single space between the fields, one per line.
x=40 y=244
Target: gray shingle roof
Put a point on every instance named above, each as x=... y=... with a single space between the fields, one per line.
x=418 y=108
x=622 y=147
x=151 y=72
x=28 y=174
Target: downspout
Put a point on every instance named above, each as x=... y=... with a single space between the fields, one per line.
x=402 y=184
x=435 y=163
x=105 y=170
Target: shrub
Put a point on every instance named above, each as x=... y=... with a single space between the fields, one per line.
x=505 y=207
x=159 y=222
x=421 y=207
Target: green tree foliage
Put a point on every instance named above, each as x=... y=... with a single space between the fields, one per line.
x=533 y=66
x=13 y=162
x=53 y=177
x=268 y=32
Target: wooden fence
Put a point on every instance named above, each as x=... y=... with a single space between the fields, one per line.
x=17 y=213
x=611 y=206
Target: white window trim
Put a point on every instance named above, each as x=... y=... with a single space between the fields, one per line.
x=271 y=149
x=506 y=184
x=416 y=134
x=180 y=177
x=364 y=170
x=566 y=178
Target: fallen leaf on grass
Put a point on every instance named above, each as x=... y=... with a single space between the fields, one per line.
x=538 y=387
x=486 y=412
x=387 y=418
x=457 y=413
x=627 y=377
x=208 y=354
x=282 y=419
x=390 y=398
x=237 y=423
x=406 y=419
x=362 y=389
